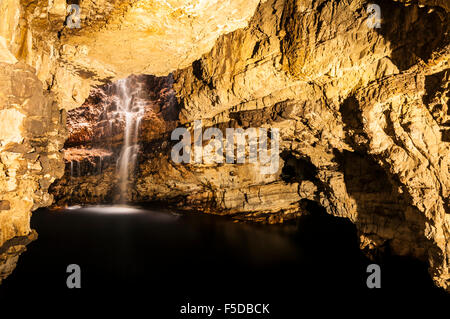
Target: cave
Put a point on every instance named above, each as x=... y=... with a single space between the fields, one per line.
x=314 y=138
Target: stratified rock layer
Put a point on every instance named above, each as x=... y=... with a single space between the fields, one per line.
x=363 y=116
x=32 y=132
x=47 y=67
x=96 y=136
x=362 y=112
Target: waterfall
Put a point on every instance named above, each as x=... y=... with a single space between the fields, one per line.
x=99 y=168
x=130 y=111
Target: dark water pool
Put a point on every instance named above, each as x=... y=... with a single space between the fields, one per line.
x=159 y=261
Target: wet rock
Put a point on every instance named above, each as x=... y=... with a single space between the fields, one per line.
x=27 y=125
x=362 y=112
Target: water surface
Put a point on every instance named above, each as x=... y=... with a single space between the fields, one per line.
x=158 y=259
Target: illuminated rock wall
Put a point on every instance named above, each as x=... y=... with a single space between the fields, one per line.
x=362 y=112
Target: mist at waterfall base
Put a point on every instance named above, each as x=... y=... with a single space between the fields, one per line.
x=158 y=260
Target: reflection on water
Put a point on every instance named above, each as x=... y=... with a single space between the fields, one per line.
x=163 y=259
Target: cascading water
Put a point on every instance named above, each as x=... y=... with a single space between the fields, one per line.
x=129 y=110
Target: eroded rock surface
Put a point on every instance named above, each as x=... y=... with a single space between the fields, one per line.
x=47 y=67
x=96 y=136
x=362 y=112
x=32 y=133
x=156 y=36
x=363 y=116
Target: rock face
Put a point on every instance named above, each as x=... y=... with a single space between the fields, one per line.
x=32 y=132
x=96 y=136
x=363 y=116
x=47 y=68
x=363 y=113
x=156 y=36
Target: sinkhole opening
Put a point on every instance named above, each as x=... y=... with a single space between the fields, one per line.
x=106 y=136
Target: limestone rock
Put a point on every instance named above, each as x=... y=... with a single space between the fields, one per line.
x=32 y=133
x=361 y=113
x=156 y=37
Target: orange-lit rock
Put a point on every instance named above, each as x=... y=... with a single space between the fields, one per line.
x=363 y=113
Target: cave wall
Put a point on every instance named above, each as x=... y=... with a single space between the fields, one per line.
x=96 y=135
x=363 y=113
x=32 y=132
x=47 y=69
